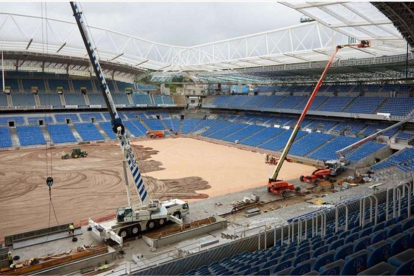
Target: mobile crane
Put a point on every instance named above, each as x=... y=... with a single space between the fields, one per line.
x=147 y=214
x=275 y=185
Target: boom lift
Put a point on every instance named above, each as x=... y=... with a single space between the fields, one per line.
x=147 y=214
x=279 y=186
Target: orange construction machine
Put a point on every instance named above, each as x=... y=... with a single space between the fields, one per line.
x=153 y=134
x=275 y=185
x=332 y=168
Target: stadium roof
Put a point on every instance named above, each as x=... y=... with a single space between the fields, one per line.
x=314 y=41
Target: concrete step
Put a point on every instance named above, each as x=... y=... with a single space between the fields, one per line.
x=75 y=133
x=14 y=138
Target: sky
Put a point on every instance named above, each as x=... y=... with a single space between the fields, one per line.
x=178 y=23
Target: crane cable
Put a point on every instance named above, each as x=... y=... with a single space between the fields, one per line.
x=49 y=163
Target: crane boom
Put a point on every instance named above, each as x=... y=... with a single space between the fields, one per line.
x=296 y=129
x=117 y=124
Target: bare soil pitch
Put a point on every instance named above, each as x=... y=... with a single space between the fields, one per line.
x=93 y=187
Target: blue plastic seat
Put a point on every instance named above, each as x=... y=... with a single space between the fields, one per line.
x=351 y=238
x=301 y=258
x=406 y=268
x=332 y=268
x=287 y=256
x=251 y=270
x=303 y=267
x=399 y=243
x=365 y=232
x=336 y=244
x=411 y=233
x=285 y=271
x=393 y=230
x=343 y=251
x=382 y=268
x=344 y=234
x=321 y=250
x=389 y=222
x=401 y=258
x=355 y=263
x=318 y=244
x=407 y=224
x=324 y=259
x=313 y=272
x=380 y=252
x=270 y=264
x=263 y=272
x=331 y=239
x=362 y=243
x=378 y=227
x=282 y=266
x=379 y=235
x=303 y=250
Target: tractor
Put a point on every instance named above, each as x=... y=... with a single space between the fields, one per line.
x=76 y=153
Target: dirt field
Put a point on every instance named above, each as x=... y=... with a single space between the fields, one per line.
x=94 y=187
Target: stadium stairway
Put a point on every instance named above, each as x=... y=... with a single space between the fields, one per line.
x=75 y=133
x=37 y=100
x=181 y=126
x=102 y=132
x=46 y=134
x=14 y=138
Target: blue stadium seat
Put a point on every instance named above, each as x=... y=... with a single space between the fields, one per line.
x=382 y=268
x=88 y=132
x=61 y=134
x=5 y=137
x=30 y=135
x=355 y=263
x=23 y=99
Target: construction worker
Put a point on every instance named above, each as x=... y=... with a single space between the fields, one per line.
x=267 y=158
x=10 y=259
x=71 y=229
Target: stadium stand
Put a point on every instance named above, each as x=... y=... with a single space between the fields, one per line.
x=365 y=105
x=55 y=83
x=5 y=138
x=23 y=99
x=50 y=99
x=121 y=98
x=280 y=141
x=154 y=124
x=75 y=99
x=78 y=84
x=146 y=87
x=140 y=127
x=12 y=83
x=61 y=134
x=309 y=143
x=327 y=152
x=356 y=248
x=3 y=100
x=244 y=133
x=87 y=117
x=262 y=136
x=398 y=106
x=188 y=125
x=289 y=102
x=107 y=128
x=203 y=124
x=30 y=135
x=216 y=127
x=318 y=101
x=237 y=101
x=96 y=99
x=253 y=100
x=4 y=121
x=226 y=131
x=29 y=83
x=61 y=118
x=123 y=86
x=364 y=151
x=173 y=124
x=335 y=104
x=35 y=120
x=88 y=132
x=271 y=101
x=139 y=98
x=132 y=128
x=398 y=159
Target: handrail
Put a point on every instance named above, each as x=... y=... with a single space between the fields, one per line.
x=376 y=209
x=387 y=202
x=409 y=189
x=337 y=217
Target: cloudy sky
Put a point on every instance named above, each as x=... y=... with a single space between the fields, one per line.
x=184 y=24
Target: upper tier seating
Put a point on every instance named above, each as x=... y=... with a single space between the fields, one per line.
x=244 y=133
x=30 y=135
x=61 y=134
x=3 y=99
x=120 y=98
x=336 y=104
x=75 y=99
x=146 y=87
x=12 y=83
x=253 y=101
x=35 y=120
x=87 y=117
x=122 y=86
x=4 y=121
x=29 y=83
x=271 y=101
x=237 y=101
x=139 y=98
x=88 y=132
x=365 y=105
x=96 y=99
x=262 y=136
x=54 y=84
x=397 y=159
x=78 y=84
x=50 y=99
x=216 y=127
x=23 y=99
x=315 y=104
x=188 y=125
x=289 y=102
x=233 y=127
x=365 y=150
x=5 y=137
x=398 y=106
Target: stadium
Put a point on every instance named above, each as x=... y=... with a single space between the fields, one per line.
x=282 y=152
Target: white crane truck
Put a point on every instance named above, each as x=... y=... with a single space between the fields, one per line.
x=147 y=214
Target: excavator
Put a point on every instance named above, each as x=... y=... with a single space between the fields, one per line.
x=153 y=134
x=282 y=187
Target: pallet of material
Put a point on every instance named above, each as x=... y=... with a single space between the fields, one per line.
x=53 y=260
x=174 y=230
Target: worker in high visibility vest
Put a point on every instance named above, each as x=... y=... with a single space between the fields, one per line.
x=10 y=259
x=71 y=229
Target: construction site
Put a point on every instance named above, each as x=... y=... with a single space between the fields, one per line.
x=145 y=162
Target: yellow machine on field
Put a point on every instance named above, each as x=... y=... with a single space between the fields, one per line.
x=76 y=153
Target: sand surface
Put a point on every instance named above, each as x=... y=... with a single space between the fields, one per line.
x=93 y=187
